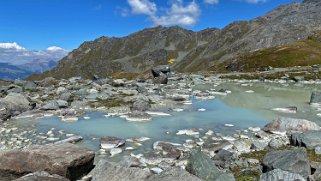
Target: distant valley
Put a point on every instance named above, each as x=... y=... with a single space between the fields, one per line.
x=17 y=62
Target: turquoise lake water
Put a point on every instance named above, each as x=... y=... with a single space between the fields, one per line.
x=239 y=108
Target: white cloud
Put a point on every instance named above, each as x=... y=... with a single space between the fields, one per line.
x=54 y=48
x=179 y=14
x=211 y=1
x=142 y=7
x=15 y=54
x=176 y=14
x=13 y=45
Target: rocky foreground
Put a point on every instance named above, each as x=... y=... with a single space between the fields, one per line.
x=285 y=149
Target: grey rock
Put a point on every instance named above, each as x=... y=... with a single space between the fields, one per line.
x=48 y=81
x=73 y=139
x=280 y=175
x=14 y=89
x=295 y=161
x=203 y=167
x=140 y=105
x=67 y=160
x=276 y=143
x=41 y=176
x=309 y=139
x=51 y=105
x=290 y=124
x=110 y=171
x=223 y=158
x=168 y=149
x=138 y=116
x=160 y=80
x=156 y=71
x=213 y=146
x=242 y=146
x=12 y=105
x=111 y=142
x=317 y=150
x=173 y=174
x=62 y=103
x=66 y=96
x=29 y=85
x=259 y=145
x=315 y=97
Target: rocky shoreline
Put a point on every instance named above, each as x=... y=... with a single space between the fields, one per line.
x=287 y=148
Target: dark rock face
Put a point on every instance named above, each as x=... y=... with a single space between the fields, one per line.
x=173 y=174
x=41 y=176
x=203 y=167
x=156 y=71
x=315 y=97
x=295 y=161
x=110 y=171
x=311 y=1
x=309 y=139
x=67 y=160
x=278 y=175
x=160 y=80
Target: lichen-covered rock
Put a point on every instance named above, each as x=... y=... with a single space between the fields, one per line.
x=309 y=139
x=173 y=174
x=203 y=167
x=110 y=171
x=295 y=161
x=278 y=175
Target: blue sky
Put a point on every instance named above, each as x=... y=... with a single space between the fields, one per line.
x=38 y=24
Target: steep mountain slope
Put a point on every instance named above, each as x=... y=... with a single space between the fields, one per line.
x=192 y=51
x=304 y=52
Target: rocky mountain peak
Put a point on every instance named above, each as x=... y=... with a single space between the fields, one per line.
x=191 y=51
x=311 y=1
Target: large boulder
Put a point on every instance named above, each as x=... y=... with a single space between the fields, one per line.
x=140 y=105
x=160 y=69
x=295 y=161
x=67 y=160
x=315 y=97
x=290 y=124
x=12 y=105
x=174 y=174
x=110 y=171
x=203 y=167
x=280 y=175
x=54 y=105
x=160 y=80
x=41 y=176
x=309 y=139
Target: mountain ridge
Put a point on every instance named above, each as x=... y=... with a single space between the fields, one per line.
x=192 y=51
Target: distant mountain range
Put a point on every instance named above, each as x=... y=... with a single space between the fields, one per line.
x=190 y=51
x=17 y=62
